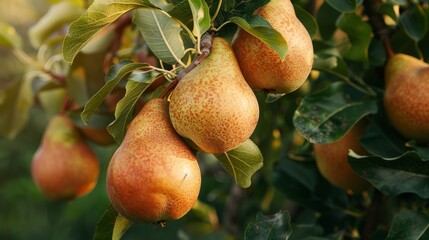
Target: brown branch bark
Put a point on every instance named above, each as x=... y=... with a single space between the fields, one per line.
x=372 y=215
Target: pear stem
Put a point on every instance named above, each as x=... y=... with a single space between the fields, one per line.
x=206 y=45
x=67 y=104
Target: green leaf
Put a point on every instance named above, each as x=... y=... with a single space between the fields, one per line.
x=58 y=15
x=381 y=140
x=261 y=29
x=242 y=162
x=100 y=14
x=136 y=85
x=388 y=9
x=308 y=232
x=98 y=120
x=269 y=227
x=409 y=225
x=201 y=16
x=326 y=18
x=111 y=226
x=115 y=74
x=9 y=37
x=161 y=33
x=345 y=6
x=413 y=21
x=407 y=174
x=325 y=116
x=15 y=103
x=301 y=182
x=359 y=33
x=182 y=12
x=307 y=20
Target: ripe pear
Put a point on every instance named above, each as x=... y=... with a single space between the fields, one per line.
x=261 y=66
x=153 y=176
x=64 y=166
x=212 y=105
x=406 y=96
x=332 y=160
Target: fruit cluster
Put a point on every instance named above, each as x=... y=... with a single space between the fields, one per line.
x=154 y=176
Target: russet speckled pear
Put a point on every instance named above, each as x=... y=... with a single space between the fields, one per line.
x=212 y=105
x=153 y=176
x=332 y=160
x=64 y=166
x=262 y=66
x=406 y=97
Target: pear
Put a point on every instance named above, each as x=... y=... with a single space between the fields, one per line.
x=153 y=176
x=406 y=96
x=261 y=66
x=332 y=160
x=64 y=166
x=212 y=105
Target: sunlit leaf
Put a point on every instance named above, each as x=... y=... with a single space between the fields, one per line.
x=201 y=16
x=325 y=116
x=269 y=227
x=161 y=33
x=100 y=14
x=262 y=30
x=242 y=162
x=15 y=102
x=409 y=225
x=136 y=85
x=116 y=73
x=9 y=37
x=111 y=226
x=57 y=15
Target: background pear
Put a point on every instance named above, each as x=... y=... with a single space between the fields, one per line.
x=262 y=66
x=213 y=105
x=64 y=167
x=153 y=176
x=332 y=160
x=406 y=96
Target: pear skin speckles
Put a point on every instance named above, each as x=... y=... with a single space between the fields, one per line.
x=153 y=176
x=262 y=66
x=213 y=105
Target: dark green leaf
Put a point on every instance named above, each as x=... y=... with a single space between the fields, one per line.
x=100 y=14
x=111 y=226
x=242 y=162
x=98 y=120
x=301 y=182
x=307 y=20
x=262 y=30
x=326 y=18
x=271 y=227
x=182 y=12
x=115 y=74
x=388 y=9
x=413 y=21
x=345 y=6
x=161 y=33
x=15 y=102
x=407 y=174
x=381 y=140
x=307 y=232
x=409 y=225
x=136 y=85
x=359 y=33
x=325 y=116
x=9 y=37
x=201 y=16
x=422 y=151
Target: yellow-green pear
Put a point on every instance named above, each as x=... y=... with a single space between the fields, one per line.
x=153 y=176
x=64 y=166
x=212 y=105
x=332 y=160
x=406 y=97
x=261 y=66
